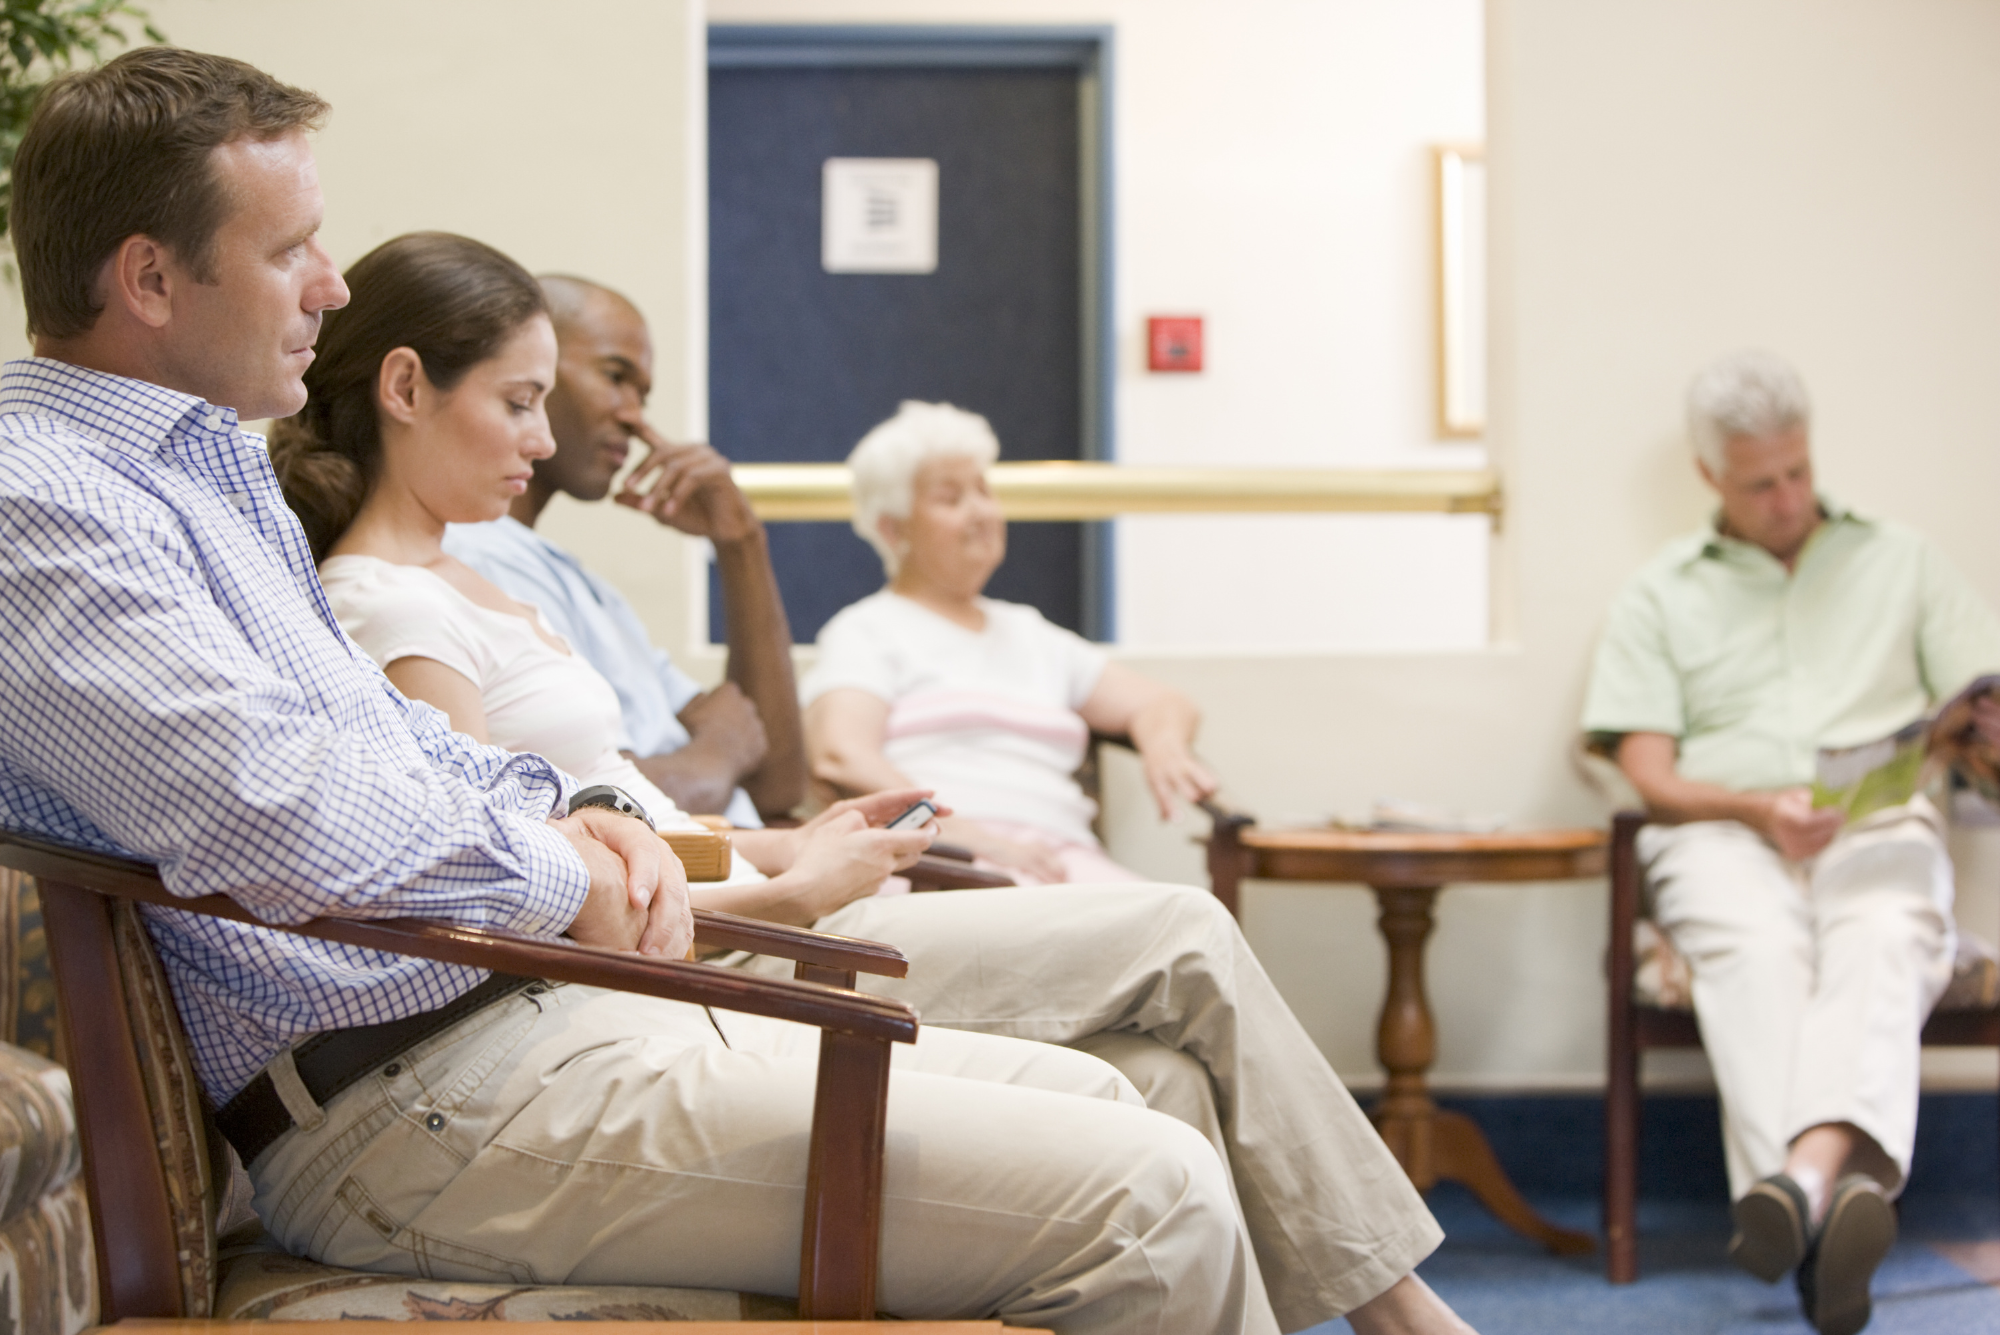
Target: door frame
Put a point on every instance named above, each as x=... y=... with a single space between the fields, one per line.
x=1086 y=49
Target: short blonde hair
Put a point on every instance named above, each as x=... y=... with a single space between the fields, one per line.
x=884 y=465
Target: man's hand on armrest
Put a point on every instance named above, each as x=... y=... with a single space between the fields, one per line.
x=1786 y=817
x=638 y=893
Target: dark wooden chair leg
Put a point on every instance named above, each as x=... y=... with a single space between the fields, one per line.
x=1621 y=1075
x=843 y=1225
x=1228 y=860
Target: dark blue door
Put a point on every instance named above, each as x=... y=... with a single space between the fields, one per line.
x=803 y=362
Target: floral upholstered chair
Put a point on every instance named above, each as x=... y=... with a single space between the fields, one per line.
x=48 y=1277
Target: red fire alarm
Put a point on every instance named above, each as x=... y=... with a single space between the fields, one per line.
x=1173 y=343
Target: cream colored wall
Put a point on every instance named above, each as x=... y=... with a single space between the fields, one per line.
x=1670 y=179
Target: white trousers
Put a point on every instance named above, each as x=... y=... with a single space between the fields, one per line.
x=1811 y=980
x=580 y=1136
x=1158 y=980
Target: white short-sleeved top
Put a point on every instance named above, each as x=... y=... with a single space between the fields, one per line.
x=988 y=717
x=537 y=698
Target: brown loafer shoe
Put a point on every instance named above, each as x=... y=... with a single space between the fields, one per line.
x=1772 y=1228
x=1859 y=1230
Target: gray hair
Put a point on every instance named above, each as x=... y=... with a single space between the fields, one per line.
x=884 y=465
x=1749 y=393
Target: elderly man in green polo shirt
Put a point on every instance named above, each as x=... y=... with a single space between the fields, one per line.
x=1816 y=949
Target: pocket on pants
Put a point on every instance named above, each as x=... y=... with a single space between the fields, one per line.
x=358 y=1233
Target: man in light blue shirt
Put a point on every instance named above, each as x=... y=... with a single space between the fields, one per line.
x=740 y=749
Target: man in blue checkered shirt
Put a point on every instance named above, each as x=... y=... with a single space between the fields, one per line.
x=173 y=685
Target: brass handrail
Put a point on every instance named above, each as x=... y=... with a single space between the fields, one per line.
x=1061 y=490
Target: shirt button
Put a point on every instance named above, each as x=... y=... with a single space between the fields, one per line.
x=213 y=421
x=435 y=1121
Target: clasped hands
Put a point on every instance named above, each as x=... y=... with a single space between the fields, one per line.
x=638 y=897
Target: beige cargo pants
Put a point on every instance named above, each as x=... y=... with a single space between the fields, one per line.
x=577 y=1136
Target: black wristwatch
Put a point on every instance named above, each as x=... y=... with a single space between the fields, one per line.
x=611 y=799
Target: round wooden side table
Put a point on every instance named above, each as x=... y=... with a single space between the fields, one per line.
x=1406 y=871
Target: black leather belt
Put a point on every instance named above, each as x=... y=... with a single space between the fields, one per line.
x=330 y=1062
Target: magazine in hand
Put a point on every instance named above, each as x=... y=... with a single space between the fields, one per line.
x=1862 y=780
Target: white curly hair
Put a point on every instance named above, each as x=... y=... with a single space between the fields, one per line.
x=884 y=465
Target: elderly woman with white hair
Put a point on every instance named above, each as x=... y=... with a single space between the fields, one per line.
x=930 y=684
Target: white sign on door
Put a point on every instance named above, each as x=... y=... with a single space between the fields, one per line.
x=879 y=215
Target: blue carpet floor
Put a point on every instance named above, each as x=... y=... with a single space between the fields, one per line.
x=1505 y=1285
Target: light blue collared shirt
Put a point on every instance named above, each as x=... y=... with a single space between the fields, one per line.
x=174 y=687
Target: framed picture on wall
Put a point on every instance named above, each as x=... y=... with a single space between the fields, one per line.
x=1461 y=288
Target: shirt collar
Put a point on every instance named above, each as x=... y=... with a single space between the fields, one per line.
x=124 y=413
x=521 y=533
x=1716 y=545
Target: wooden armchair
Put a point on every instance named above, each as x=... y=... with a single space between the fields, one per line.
x=1652 y=1016
x=153 y=1166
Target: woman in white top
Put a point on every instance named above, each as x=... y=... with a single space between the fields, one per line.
x=427 y=408
x=930 y=684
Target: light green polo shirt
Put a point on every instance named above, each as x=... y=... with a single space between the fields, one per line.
x=1754 y=669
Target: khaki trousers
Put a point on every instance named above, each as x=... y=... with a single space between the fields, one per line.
x=577 y=1136
x=1157 y=980
x=1812 y=980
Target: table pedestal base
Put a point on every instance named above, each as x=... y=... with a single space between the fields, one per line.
x=1433 y=1145
x=1450 y=1147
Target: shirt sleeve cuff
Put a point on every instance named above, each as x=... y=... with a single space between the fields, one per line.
x=558 y=882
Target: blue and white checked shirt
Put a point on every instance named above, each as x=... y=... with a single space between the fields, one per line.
x=173 y=686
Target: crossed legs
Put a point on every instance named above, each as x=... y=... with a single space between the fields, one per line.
x=1128 y=970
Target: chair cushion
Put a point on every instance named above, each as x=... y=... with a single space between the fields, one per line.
x=27 y=985
x=261 y=1283
x=48 y=1274
x=39 y=1150
x=1662 y=979
x=48 y=1270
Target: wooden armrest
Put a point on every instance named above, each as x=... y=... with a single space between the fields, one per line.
x=559 y=960
x=1223 y=815
x=729 y=931
x=935 y=873
x=950 y=852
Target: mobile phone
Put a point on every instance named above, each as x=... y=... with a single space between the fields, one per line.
x=915 y=816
